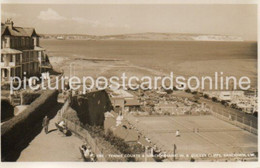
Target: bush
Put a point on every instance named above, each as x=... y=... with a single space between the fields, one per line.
x=175 y=88
x=168 y=91
x=122 y=146
x=195 y=92
x=234 y=106
x=7 y=110
x=188 y=90
x=71 y=114
x=14 y=131
x=28 y=98
x=195 y=98
x=223 y=102
x=206 y=96
x=214 y=99
x=117 y=142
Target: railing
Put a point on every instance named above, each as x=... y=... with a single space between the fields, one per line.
x=77 y=129
x=83 y=134
x=235 y=119
x=64 y=107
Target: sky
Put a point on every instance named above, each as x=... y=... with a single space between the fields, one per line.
x=229 y=19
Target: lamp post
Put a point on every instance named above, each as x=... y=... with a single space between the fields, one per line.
x=72 y=64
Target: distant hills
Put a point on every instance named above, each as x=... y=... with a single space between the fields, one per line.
x=146 y=36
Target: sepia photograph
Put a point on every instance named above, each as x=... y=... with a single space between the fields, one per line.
x=129 y=82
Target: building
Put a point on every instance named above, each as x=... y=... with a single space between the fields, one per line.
x=226 y=95
x=245 y=100
x=21 y=54
x=124 y=101
x=132 y=105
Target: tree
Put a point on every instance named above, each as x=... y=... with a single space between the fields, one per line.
x=196 y=98
x=214 y=99
x=195 y=92
x=206 y=96
x=223 y=102
x=234 y=106
x=188 y=90
x=168 y=91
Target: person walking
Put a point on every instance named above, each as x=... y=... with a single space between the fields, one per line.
x=45 y=124
x=178 y=133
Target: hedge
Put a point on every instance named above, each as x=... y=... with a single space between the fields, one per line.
x=28 y=98
x=15 y=130
x=7 y=110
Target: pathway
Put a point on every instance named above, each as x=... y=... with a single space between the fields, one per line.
x=52 y=147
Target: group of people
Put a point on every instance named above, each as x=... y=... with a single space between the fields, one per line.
x=87 y=153
x=158 y=155
x=61 y=125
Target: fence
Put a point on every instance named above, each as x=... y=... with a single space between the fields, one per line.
x=64 y=107
x=238 y=120
x=82 y=133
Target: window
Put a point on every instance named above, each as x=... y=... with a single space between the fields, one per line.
x=11 y=58
x=22 y=41
x=2 y=58
x=4 y=43
x=16 y=42
x=18 y=58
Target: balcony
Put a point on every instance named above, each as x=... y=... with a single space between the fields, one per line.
x=9 y=64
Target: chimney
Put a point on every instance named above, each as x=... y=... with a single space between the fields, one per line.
x=9 y=23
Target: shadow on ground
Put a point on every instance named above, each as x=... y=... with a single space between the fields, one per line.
x=15 y=154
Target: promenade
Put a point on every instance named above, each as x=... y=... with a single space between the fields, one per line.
x=52 y=147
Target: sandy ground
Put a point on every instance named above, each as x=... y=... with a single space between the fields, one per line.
x=52 y=147
x=91 y=67
x=96 y=68
x=215 y=136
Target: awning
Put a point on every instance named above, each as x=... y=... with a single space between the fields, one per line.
x=39 y=48
x=10 y=51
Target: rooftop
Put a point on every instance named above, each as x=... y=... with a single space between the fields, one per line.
x=132 y=102
x=10 y=51
x=121 y=93
x=8 y=28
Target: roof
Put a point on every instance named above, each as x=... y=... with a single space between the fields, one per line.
x=121 y=93
x=132 y=102
x=39 y=48
x=18 y=31
x=4 y=30
x=10 y=51
x=108 y=114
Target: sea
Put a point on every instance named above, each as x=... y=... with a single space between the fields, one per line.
x=185 y=58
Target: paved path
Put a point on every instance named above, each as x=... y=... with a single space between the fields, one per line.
x=52 y=147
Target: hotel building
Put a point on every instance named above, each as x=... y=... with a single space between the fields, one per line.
x=21 y=54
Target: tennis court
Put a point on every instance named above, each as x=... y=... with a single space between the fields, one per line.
x=213 y=136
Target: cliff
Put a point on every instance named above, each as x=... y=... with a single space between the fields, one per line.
x=149 y=36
